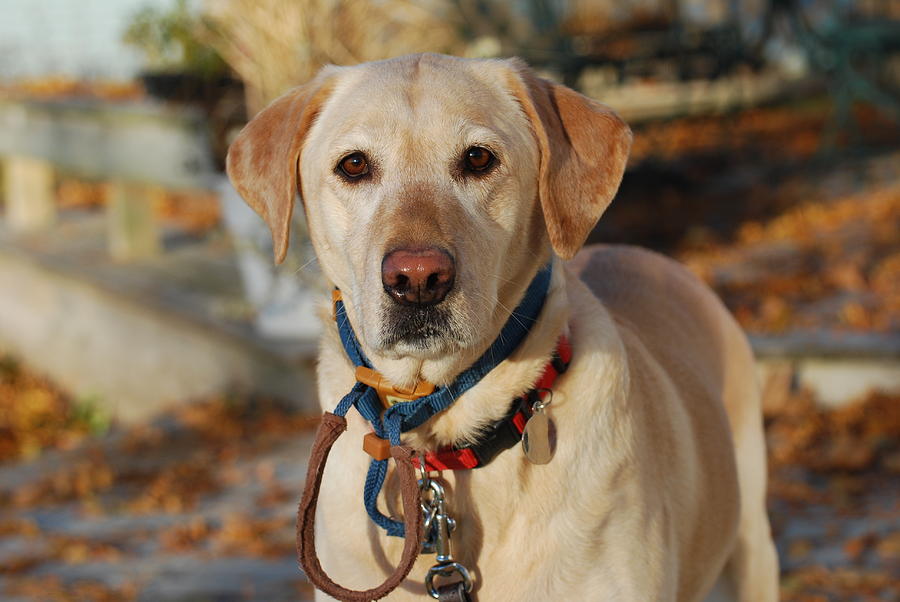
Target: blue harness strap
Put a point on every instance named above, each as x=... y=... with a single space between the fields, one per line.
x=405 y=416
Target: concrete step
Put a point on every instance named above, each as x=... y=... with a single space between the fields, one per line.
x=134 y=338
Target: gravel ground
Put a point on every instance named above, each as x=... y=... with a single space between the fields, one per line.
x=197 y=506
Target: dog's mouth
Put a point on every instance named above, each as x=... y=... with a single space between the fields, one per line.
x=429 y=328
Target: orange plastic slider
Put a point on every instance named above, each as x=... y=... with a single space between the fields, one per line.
x=375 y=446
x=388 y=393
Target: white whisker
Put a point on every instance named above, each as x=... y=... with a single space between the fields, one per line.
x=306 y=265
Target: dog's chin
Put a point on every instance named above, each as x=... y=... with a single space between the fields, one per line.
x=423 y=333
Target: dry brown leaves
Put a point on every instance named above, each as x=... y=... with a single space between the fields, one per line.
x=819 y=584
x=175 y=488
x=227 y=420
x=243 y=534
x=35 y=415
x=18 y=527
x=164 y=468
x=886 y=546
x=57 y=87
x=52 y=588
x=790 y=132
x=191 y=460
x=59 y=548
x=239 y=534
x=186 y=537
x=833 y=460
x=195 y=212
x=777 y=274
x=74 y=193
x=857 y=437
x=200 y=453
x=82 y=480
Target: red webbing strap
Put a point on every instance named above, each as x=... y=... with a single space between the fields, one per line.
x=448 y=458
x=331 y=427
x=551 y=371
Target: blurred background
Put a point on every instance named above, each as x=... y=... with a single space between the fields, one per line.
x=157 y=392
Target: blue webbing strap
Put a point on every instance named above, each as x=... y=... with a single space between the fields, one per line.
x=407 y=415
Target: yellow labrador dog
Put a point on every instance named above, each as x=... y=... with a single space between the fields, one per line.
x=435 y=189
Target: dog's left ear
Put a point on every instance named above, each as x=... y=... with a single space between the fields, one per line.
x=263 y=161
x=584 y=146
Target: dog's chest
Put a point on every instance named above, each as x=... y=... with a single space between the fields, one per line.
x=510 y=515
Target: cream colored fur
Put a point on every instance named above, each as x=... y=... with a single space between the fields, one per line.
x=644 y=499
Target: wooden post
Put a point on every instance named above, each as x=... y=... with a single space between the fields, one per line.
x=28 y=192
x=131 y=227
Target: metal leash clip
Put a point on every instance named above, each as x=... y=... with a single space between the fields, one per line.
x=438 y=526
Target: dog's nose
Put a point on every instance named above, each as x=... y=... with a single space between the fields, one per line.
x=418 y=276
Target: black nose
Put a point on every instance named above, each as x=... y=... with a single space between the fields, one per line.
x=418 y=276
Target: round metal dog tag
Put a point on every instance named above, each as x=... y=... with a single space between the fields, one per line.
x=539 y=438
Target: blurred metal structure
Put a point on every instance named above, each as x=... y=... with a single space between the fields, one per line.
x=853 y=54
x=140 y=148
x=847 y=44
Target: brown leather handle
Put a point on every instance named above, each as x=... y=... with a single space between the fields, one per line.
x=332 y=427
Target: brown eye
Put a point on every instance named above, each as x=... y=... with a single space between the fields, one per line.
x=477 y=158
x=354 y=165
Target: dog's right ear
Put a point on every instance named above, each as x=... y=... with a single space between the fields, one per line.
x=263 y=161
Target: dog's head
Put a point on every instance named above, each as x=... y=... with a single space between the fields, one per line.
x=434 y=188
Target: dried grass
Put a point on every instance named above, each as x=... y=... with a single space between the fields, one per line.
x=277 y=44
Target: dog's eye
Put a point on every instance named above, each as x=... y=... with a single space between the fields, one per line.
x=477 y=158
x=354 y=165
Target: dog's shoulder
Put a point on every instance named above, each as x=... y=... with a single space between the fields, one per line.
x=671 y=311
x=635 y=283
x=607 y=268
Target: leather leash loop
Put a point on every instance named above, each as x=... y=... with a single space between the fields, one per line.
x=332 y=427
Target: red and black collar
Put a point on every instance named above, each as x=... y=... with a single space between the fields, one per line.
x=506 y=432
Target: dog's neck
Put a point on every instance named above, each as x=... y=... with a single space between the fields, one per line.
x=406 y=371
x=489 y=400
